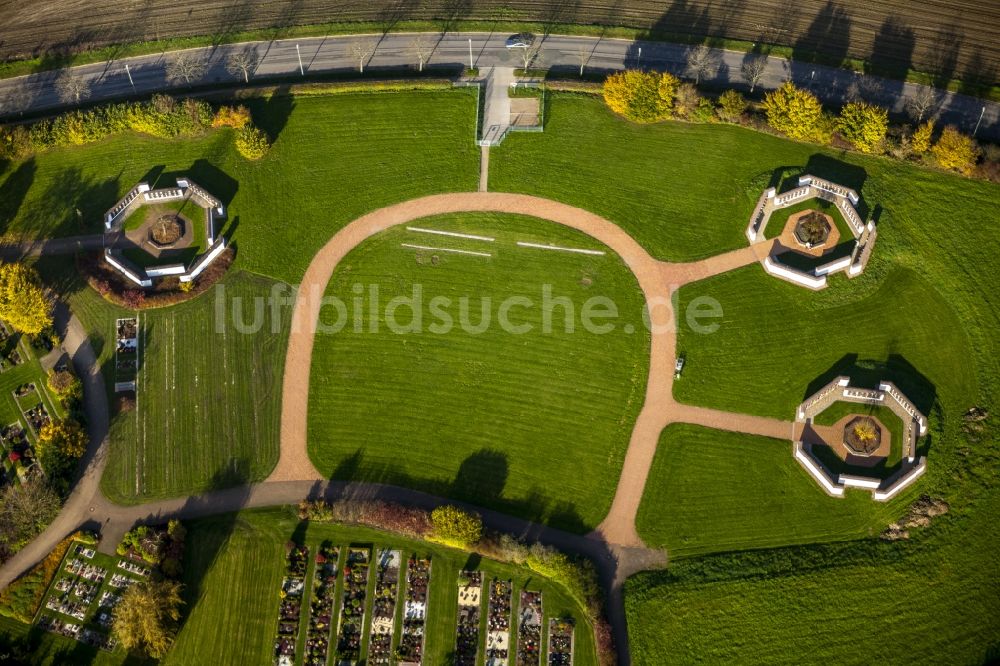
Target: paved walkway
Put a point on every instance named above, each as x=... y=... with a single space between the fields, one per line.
x=484 y=168
x=496 y=111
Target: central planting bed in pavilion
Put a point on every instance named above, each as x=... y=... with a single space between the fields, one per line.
x=534 y=424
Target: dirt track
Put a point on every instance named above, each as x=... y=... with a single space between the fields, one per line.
x=656 y=279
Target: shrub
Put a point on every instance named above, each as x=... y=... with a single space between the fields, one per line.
x=15 y=142
x=686 y=100
x=455 y=527
x=252 y=143
x=921 y=141
x=65 y=385
x=732 y=105
x=236 y=117
x=23 y=303
x=644 y=97
x=955 y=150
x=796 y=113
x=21 y=599
x=133 y=299
x=864 y=125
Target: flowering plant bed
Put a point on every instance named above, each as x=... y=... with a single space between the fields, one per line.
x=411 y=642
x=498 y=624
x=560 y=642
x=321 y=607
x=384 y=607
x=352 y=610
x=290 y=606
x=529 y=629
x=470 y=601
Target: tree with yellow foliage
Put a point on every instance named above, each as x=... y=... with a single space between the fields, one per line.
x=921 y=141
x=864 y=125
x=146 y=617
x=796 y=113
x=63 y=436
x=23 y=304
x=644 y=97
x=955 y=150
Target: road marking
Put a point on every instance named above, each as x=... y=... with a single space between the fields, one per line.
x=421 y=230
x=445 y=249
x=578 y=250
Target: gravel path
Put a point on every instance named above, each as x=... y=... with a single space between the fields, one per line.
x=615 y=546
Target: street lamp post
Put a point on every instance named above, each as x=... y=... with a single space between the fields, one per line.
x=470 y=54
x=299 y=54
x=130 y=77
x=981 y=114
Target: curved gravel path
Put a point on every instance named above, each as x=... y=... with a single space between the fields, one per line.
x=615 y=546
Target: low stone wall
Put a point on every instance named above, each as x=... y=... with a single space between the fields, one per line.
x=124 y=205
x=772 y=266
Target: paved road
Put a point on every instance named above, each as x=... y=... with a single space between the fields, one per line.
x=325 y=55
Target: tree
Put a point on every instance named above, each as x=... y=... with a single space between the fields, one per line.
x=955 y=150
x=702 y=62
x=686 y=100
x=921 y=141
x=64 y=436
x=753 y=70
x=185 y=67
x=146 y=616
x=531 y=55
x=23 y=303
x=65 y=385
x=795 y=112
x=864 y=125
x=922 y=103
x=421 y=49
x=25 y=510
x=242 y=63
x=456 y=527
x=644 y=97
x=71 y=88
x=362 y=51
x=731 y=106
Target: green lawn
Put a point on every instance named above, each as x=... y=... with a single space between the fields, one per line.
x=934 y=600
x=334 y=158
x=233 y=572
x=209 y=386
x=713 y=491
x=535 y=423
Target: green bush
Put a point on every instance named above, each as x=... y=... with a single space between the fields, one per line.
x=252 y=143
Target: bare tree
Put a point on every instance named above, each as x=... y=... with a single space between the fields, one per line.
x=242 y=63
x=532 y=55
x=421 y=49
x=753 y=70
x=72 y=88
x=185 y=67
x=362 y=51
x=864 y=88
x=583 y=54
x=923 y=103
x=702 y=61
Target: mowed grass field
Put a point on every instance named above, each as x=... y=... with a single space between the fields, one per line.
x=532 y=423
x=712 y=491
x=334 y=158
x=209 y=398
x=934 y=599
x=233 y=572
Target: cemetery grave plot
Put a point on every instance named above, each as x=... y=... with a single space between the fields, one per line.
x=352 y=611
x=290 y=608
x=470 y=601
x=126 y=353
x=560 y=642
x=498 y=624
x=324 y=584
x=384 y=606
x=529 y=629
x=411 y=643
x=84 y=592
x=18 y=456
x=29 y=401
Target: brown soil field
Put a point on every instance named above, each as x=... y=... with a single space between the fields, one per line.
x=948 y=38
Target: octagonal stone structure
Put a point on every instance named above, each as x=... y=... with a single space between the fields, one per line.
x=142 y=195
x=886 y=395
x=813 y=187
